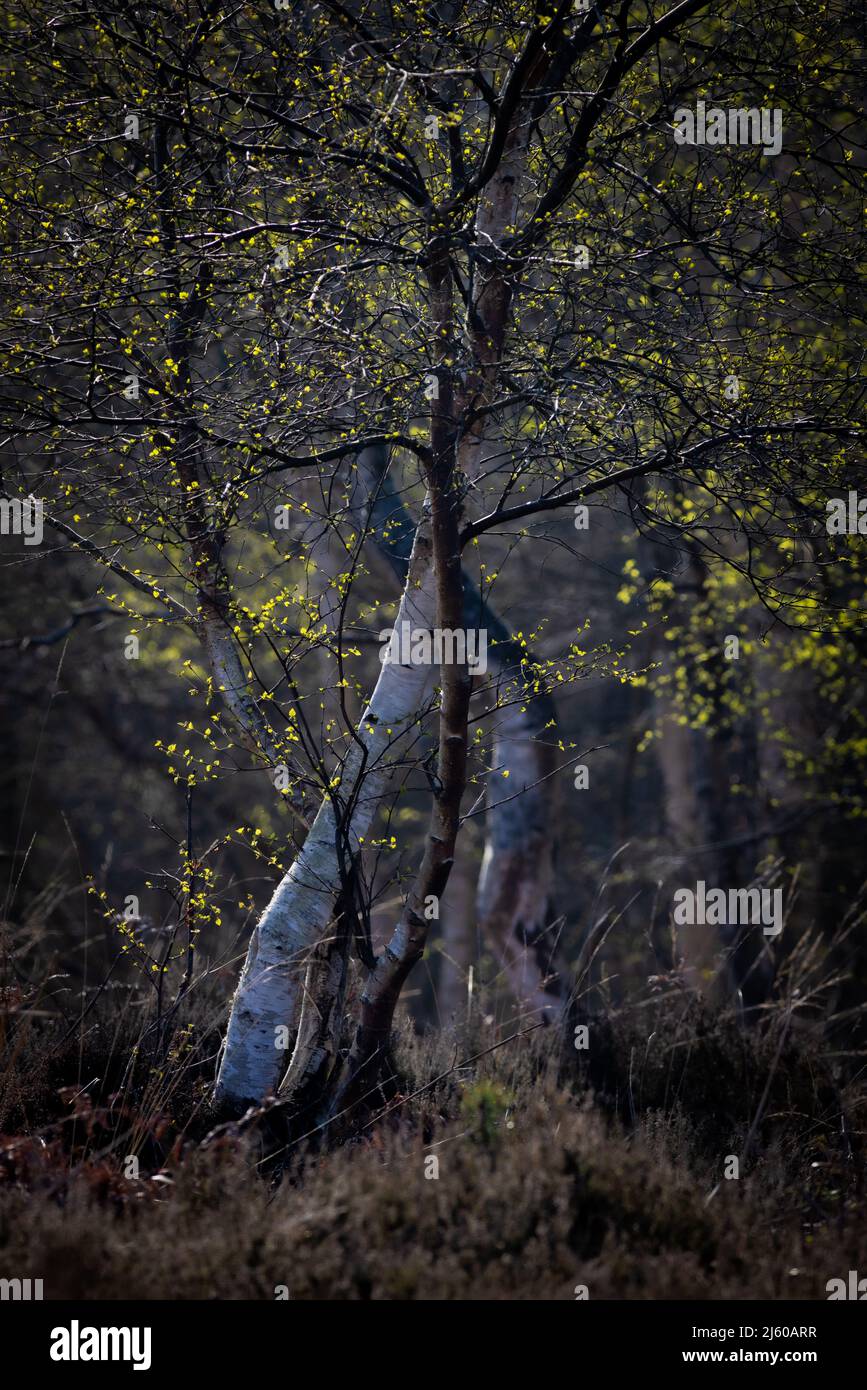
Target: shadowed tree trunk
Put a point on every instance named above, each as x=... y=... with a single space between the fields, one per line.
x=458 y=934
x=515 y=898
x=514 y=906
x=698 y=767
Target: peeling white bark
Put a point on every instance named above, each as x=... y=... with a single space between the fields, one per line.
x=270 y=990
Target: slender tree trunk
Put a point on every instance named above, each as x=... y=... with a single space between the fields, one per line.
x=515 y=910
x=205 y=535
x=386 y=979
x=457 y=934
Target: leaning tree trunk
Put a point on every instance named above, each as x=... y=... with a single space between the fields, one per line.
x=269 y=995
x=320 y=1023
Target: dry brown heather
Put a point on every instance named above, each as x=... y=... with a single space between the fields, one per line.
x=555 y=1169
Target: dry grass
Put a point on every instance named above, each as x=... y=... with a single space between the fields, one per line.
x=556 y=1168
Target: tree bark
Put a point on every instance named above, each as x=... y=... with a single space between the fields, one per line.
x=296 y=920
x=514 y=905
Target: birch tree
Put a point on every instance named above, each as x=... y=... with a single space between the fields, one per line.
x=249 y=247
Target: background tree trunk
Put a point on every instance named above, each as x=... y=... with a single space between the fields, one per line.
x=711 y=836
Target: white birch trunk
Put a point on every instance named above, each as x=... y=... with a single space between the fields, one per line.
x=320 y=1020
x=270 y=991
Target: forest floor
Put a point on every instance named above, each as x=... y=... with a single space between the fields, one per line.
x=532 y=1171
